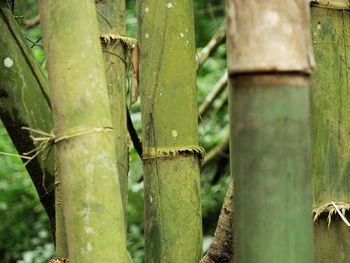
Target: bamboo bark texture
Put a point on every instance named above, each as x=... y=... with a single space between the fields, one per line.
x=330 y=120
x=173 y=229
x=24 y=102
x=91 y=198
x=270 y=131
x=111 y=18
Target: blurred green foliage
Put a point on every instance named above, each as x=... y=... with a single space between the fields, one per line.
x=24 y=229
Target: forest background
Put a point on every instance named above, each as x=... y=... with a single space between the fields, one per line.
x=24 y=227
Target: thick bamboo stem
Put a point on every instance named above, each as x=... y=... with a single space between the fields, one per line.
x=25 y=103
x=173 y=230
x=91 y=198
x=330 y=120
x=110 y=15
x=270 y=144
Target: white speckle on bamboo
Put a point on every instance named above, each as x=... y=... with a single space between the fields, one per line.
x=169 y=5
x=319 y=26
x=89 y=197
x=89 y=168
x=147 y=35
x=8 y=62
x=89 y=247
x=89 y=230
x=151 y=199
x=271 y=18
x=86 y=214
x=174 y=133
x=182 y=35
x=146 y=9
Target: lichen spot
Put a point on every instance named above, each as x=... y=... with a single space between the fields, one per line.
x=174 y=133
x=147 y=35
x=89 y=247
x=8 y=62
x=89 y=230
x=271 y=18
x=146 y=9
x=89 y=168
x=182 y=35
x=169 y=5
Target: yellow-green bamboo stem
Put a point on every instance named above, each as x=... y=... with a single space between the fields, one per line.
x=173 y=230
x=110 y=15
x=91 y=199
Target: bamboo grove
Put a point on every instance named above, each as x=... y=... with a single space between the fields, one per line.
x=287 y=87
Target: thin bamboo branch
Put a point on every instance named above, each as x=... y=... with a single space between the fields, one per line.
x=217 y=39
x=214 y=93
x=220 y=150
x=32 y=22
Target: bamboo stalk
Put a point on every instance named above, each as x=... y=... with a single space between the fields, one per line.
x=173 y=230
x=110 y=15
x=25 y=103
x=270 y=133
x=331 y=113
x=91 y=198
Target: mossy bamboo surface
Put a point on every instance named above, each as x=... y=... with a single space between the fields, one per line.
x=111 y=18
x=173 y=230
x=331 y=139
x=24 y=103
x=91 y=198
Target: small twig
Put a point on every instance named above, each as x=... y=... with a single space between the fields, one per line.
x=340 y=214
x=220 y=150
x=133 y=134
x=214 y=93
x=218 y=38
x=14 y=155
x=34 y=43
x=32 y=22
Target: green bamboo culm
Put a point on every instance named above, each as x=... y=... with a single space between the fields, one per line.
x=173 y=229
x=91 y=198
x=270 y=130
x=330 y=120
x=111 y=19
x=24 y=102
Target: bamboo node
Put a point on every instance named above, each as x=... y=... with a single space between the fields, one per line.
x=46 y=140
x=332 y=208
x=151 y=153
x=332 y=4
x=59 y=260
x=129 y=42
